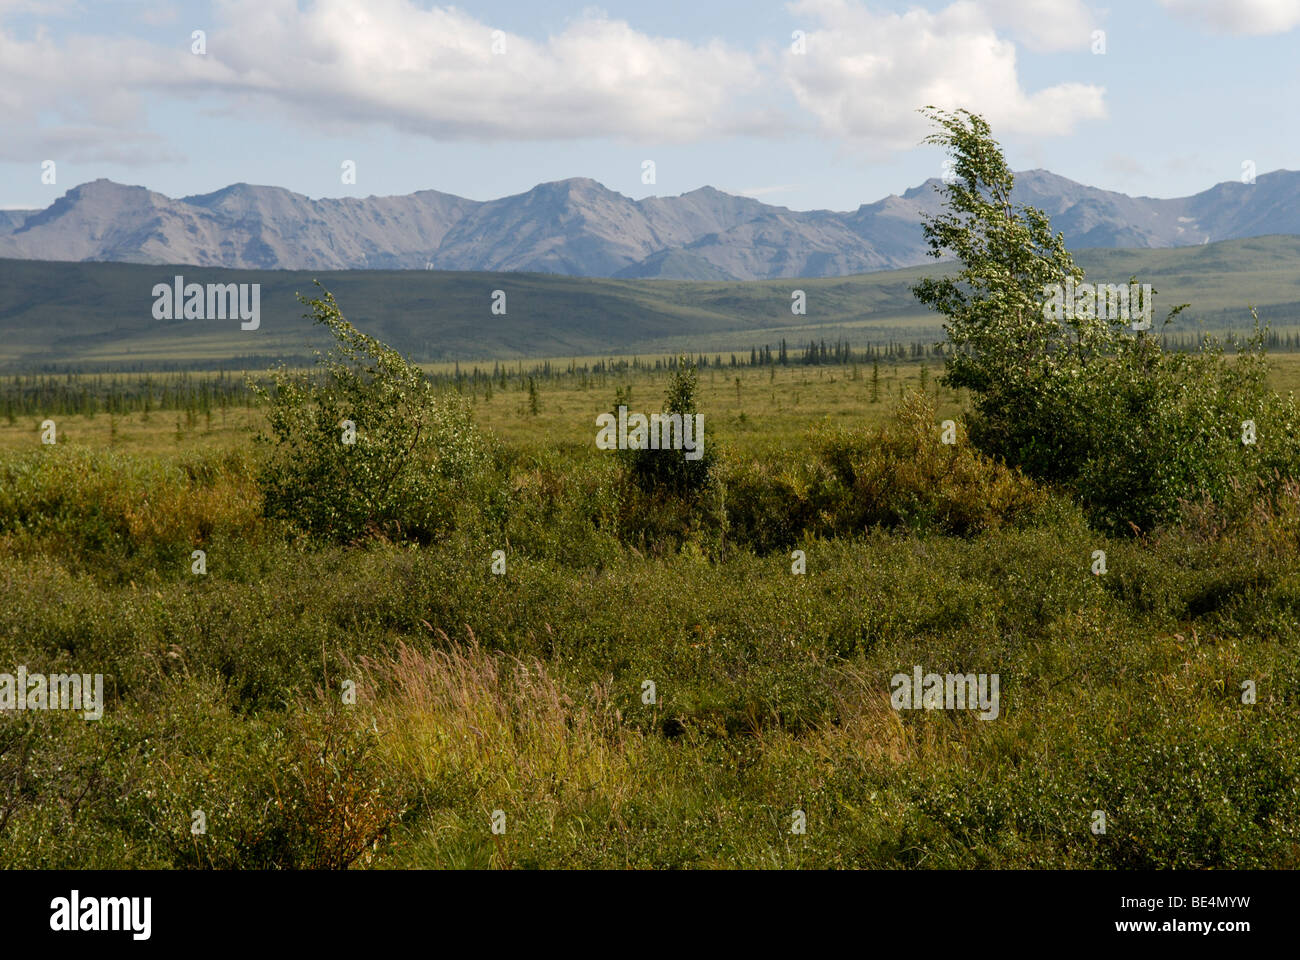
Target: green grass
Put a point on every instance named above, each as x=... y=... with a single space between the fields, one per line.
x=779 y=406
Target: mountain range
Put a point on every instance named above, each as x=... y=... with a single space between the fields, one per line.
x=578 y=227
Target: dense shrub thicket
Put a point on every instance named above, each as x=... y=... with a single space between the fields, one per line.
x=898 y=476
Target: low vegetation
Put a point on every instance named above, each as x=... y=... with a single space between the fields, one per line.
x=523 y=692
x=436 y=630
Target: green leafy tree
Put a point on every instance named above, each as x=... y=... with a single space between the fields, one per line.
x=1134 y=430
x=367 y=447
x=1000 y=346
x=1008 y=254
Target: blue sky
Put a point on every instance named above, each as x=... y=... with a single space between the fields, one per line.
x=715 y=93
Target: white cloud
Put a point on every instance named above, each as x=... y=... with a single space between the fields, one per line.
x=79 y=100
x=1045 y=25
x=337 y=64
x=434 y=72
x=1248 y=17
x=865 y=73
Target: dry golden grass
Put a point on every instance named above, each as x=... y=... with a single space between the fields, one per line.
x=460 y=718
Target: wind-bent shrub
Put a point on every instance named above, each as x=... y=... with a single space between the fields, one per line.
x=368 y=448
x=1132 y=430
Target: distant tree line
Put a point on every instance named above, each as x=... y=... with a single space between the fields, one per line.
x=199 y=392
x=114 y=394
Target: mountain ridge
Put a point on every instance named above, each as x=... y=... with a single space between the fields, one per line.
x=578 y=227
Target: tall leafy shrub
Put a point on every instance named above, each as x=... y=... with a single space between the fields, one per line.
x=367 y=447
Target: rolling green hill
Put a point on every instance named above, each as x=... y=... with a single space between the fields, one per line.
x=99 y=315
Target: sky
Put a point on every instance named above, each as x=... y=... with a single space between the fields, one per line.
x=810 y=104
